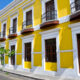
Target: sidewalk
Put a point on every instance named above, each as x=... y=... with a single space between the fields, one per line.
x=43 y=77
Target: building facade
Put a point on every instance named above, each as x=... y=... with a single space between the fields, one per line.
x=45 y=35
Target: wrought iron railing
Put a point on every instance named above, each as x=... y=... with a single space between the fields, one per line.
x=2 y=34
x=49 y=15
x=75 y=6
x=12 y=30
x=26 y=23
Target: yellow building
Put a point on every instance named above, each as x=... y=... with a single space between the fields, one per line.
x=45 y=35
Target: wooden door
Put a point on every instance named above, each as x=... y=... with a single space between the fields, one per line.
x=50 y=50
x=50 y=10
x=27 y=55
x=78 y=42
x=14 y=25
x=13 y=56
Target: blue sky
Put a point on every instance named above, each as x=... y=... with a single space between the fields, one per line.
x=4 y=3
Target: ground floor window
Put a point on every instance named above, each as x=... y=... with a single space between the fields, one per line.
x=50 y=50
x=13 y=56
x=27 y=54
x=78 y=43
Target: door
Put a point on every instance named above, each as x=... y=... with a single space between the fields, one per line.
x=78 y=42
x=14 y=25
x=50 y=10
x=13 y=56
x=50 y=50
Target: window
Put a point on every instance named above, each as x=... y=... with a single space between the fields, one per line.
x=14 y=25
x=27 y=52
x=77 y=4
x=50 y=50
x=13 y=56
x=29 y=18
x=4 y=30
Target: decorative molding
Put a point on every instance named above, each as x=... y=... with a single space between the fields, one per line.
x=64 y=19
x=62 y=51
x=15 y=13
x=12 y=41
x=28 y=5
x=37 y=52
x=50 y=31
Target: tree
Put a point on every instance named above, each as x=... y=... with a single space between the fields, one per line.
x=7 y=52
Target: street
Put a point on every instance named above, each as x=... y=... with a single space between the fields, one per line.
x=8 y=76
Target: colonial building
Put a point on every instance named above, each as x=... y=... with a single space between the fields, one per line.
x=45 y=35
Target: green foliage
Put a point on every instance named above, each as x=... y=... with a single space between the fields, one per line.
x=7 y=52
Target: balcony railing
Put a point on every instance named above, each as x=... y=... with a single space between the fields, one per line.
x=75 y=6
x=12 y=30
x=26 y=24
x=49 y=15
x=2 y=34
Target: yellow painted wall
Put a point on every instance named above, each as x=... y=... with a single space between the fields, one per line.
x=27 y=65
x=49 y=66
x=66 y=60
x=37 y=60
x=63 y=8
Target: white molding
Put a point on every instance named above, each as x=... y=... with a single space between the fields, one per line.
x=37 y=27
x=62 y=51
x=27 y=39
x=28 y=5
x=37 y=52
x=14 y=13
x=49 y=35
x=50 y=31
x=64 y=19
x=3 y=19
x=75 y=30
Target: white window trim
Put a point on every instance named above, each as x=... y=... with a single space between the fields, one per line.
x=5 y=22
x=24 y=14
x=11 y=25
x=43 y=6
x=27 y=39
x=54 y=33
x=12 y=42
x=75 y=30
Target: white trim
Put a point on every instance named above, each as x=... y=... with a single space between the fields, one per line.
x=62 y=51
x=14 y=13
x=27 y=10
x=5 y=22
x=49 y=35
x=12 y=42
x=11 y=24
x=27 y=39
x=75 y=30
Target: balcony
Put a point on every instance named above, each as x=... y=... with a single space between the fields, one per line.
x=2 y=36
x=12 y=32
x=27 y=27
x=75 y=10
x=49 y=18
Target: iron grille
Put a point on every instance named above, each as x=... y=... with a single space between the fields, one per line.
x=2 y=34
x=12 y=30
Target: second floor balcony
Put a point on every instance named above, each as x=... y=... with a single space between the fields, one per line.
x=49 y=18
x=12 y=32
x=27 y=27
x=2 y=36
x=75 y=10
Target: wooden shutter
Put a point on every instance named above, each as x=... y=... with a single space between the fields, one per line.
x=27 y=52
x=14 y=25
x=4 y=30
x=50 y=50
x=13 y=56
x=49 y=9
x=29 y=18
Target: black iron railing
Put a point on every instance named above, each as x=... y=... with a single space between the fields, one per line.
x=12 y=30
x=26 y=23
x=2 y=34
x=75 y=6
x=49 y=15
